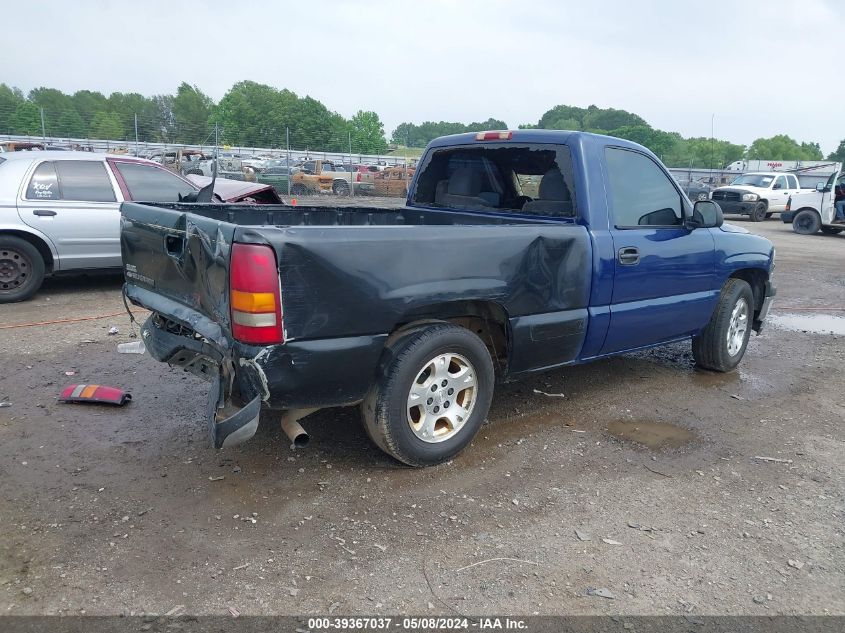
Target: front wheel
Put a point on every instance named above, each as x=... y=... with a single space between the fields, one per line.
x=806 y=222
x=758 y=214
x=298 y=190
x=21 y=269
x=431 y=396
x=722 y=342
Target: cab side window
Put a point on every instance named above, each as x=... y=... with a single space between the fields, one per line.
x=641 y=194
x=793 y=182
x=780 y=183
x=44 y=184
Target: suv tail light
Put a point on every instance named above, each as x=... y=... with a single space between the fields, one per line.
x=255 y=295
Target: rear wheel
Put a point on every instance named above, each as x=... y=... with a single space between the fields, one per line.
x=431 y=396
x=758 y=214
x=21 y=269
x=806 y=222
x=722 y=343
x=829 y=230
x=298 y=190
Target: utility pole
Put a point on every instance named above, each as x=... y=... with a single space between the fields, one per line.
x=712 y=142
x=351 y=181
x=43 y=129
x=136 y=134
x=287 y=142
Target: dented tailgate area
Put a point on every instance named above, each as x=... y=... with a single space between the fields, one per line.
x=348 y=279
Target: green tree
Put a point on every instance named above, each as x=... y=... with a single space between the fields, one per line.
x=10 y=99
x=127 y=106
x=782 y=147
x=27 y=119
x=88 y=104
x=55 y=103
x=658 y=141
x=191 y=111
x=838 y=155
x=106 y=125
x=414 y=135
x=367 y=133
x=69 y=124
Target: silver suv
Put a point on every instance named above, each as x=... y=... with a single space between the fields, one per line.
x=61 y=212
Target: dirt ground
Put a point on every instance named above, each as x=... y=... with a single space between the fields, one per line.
x=644 y=481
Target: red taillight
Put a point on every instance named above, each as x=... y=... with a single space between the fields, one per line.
x=358 y=177
x=255 y=295
x=494 y=136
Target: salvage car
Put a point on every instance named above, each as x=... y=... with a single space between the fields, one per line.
x=414 y=313
x=61 y=213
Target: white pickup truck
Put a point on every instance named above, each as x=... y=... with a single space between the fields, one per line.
x=757 y=195
x=814 y=210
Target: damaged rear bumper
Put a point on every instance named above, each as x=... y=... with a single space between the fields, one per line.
x=245 y=379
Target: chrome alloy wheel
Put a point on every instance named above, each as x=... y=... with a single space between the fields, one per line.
x=737 y=327
x=442 y=397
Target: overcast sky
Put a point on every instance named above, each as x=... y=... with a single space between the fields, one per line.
x=761 y=67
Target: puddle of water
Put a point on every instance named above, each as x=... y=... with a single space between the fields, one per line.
x=815 y=323
x=649 y=433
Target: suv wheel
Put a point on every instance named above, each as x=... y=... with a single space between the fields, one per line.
x=21 y=269
x=431 y=396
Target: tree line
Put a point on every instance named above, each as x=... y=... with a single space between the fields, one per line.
x=251 y=114
x=671 y=147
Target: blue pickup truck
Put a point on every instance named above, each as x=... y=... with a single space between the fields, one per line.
x=516 y=252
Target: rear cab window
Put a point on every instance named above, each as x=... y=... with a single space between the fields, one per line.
x=532 y=179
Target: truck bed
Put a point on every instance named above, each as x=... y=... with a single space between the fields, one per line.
x=351 y=276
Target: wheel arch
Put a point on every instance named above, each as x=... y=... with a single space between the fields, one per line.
x=487 y=319
x=39 y=242
x=756 y=278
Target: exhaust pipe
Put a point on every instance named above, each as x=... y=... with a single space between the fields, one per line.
x=293 y=429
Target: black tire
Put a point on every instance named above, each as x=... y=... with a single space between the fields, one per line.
x=829 y=230
x=195 y=172
x=386 y=412
x=711 y=348
x=770 y=214
x=21 y=269
x=806 y=222
x=341 y=188
x=758 y=214
x=298 y=190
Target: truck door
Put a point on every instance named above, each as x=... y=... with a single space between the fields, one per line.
x=780 y=193
x=664 y=272
x=73 y=202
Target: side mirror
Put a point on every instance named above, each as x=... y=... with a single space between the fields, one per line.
x=706 y=214
x=776 y=187
x=819 y=186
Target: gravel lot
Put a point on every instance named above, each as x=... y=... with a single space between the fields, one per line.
x=644 y=481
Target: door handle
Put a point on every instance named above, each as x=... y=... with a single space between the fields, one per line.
x=43 y=213
x=629 y=256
